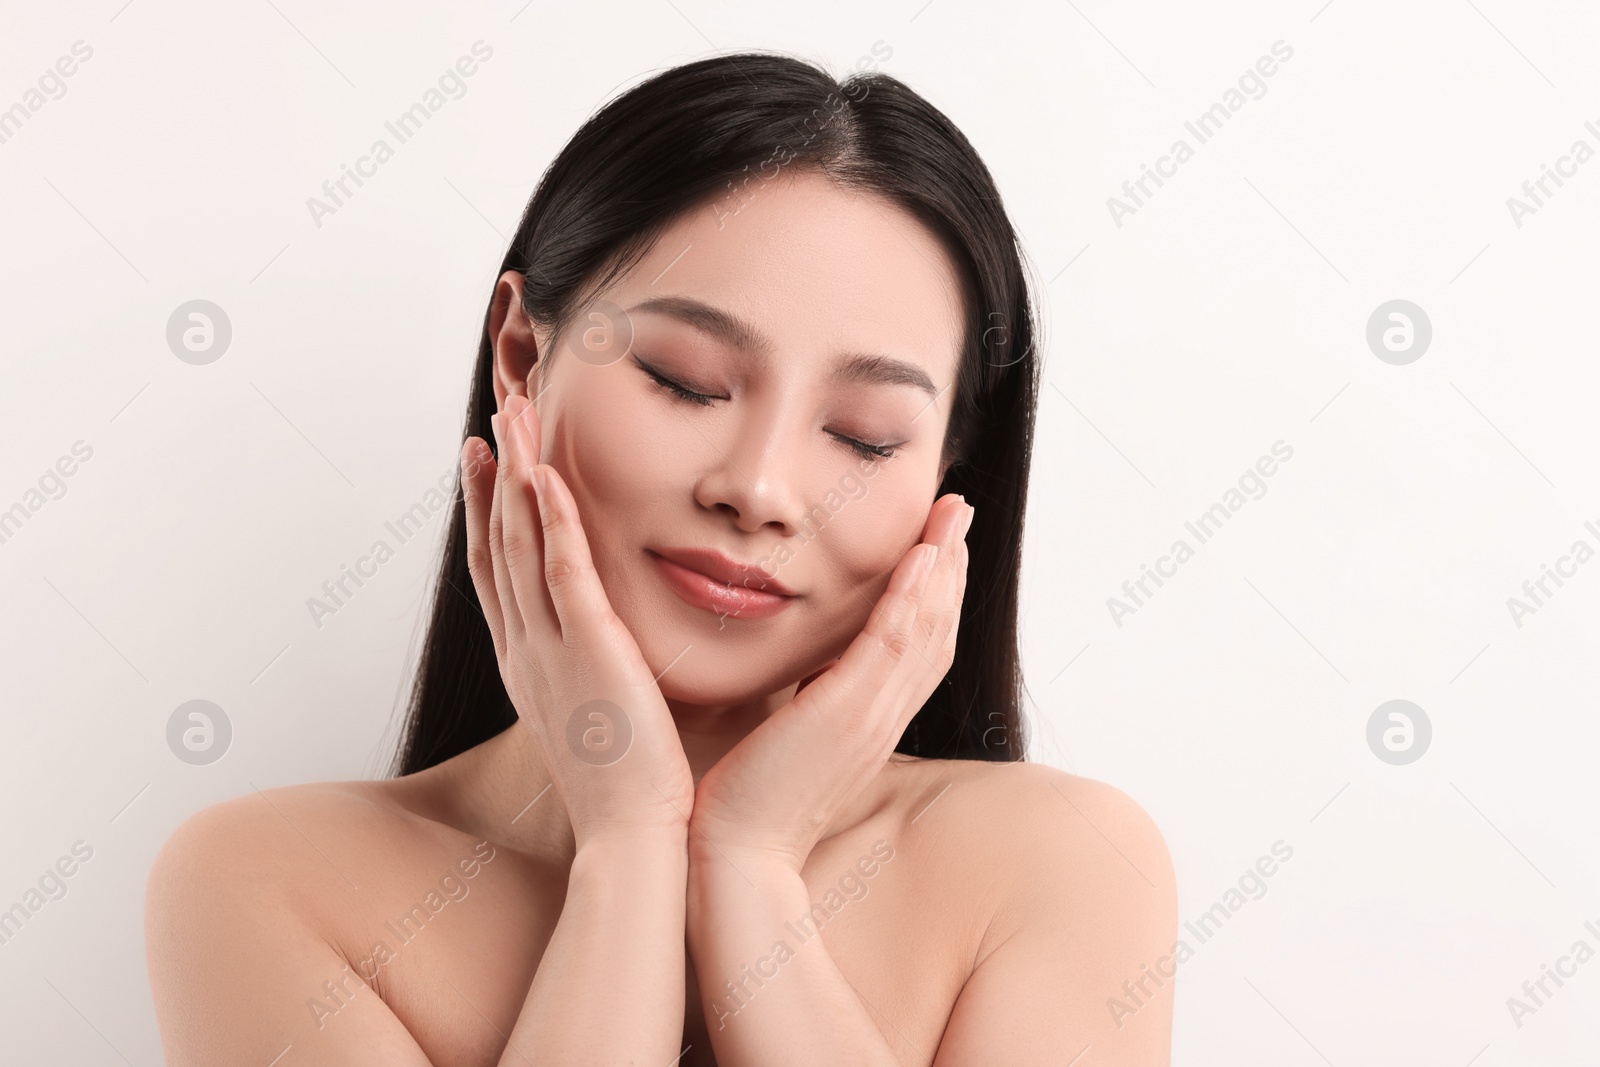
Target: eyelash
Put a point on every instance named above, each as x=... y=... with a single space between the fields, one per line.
x=860 y=448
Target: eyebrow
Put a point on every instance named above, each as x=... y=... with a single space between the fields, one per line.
x=851 y=369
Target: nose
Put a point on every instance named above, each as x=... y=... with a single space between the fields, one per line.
x=755 y=476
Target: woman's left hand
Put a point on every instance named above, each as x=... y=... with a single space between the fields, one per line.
x=775 y=793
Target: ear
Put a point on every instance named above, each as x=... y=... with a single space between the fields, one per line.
x=515 y=343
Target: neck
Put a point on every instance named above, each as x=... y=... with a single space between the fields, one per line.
x=501 y=790
x=708 y=733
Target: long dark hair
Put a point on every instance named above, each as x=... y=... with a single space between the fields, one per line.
x=704 y=132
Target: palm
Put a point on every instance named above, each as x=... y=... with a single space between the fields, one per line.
x=776 y=788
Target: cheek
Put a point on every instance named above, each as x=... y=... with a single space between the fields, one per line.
x=611 y=443
x=849 y=563
x=615 y=458
x=871 y=532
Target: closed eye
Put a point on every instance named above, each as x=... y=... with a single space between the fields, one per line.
x=682 y=392
x=860 y=448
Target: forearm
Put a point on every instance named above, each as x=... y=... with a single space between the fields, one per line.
x=772 y=992
x=610 y=985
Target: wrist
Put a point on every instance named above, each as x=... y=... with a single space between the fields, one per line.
x=716 y=870
x=733 y=882
x=710 y=852
x=625 y=842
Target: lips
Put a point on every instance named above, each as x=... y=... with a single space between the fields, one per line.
x=707 y=579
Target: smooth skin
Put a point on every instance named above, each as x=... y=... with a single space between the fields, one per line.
x=518 y=904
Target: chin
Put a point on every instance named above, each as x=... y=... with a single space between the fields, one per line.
x=702 y=657
x=716 y=669
x=712 y=675
x=710 y=694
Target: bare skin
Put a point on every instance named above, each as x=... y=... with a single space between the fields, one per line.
x=758 y=877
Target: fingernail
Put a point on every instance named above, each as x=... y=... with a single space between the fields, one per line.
x=966 y=520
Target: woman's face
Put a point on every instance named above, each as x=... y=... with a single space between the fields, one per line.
x=824 y=326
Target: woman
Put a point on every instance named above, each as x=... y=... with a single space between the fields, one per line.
x=759 y=367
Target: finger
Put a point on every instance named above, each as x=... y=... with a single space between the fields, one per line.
x=522 y=534
x=901 y=603
x=957 y=594
x=866 y=692
x=477 y=492
x=939 y=613
x=918 y=617
x=938 y=598
x=926 y=598
x=871 y=684
x=945 y=513
x=575 y=590
x=509 y=609
x=915 y=620
x=814 y=675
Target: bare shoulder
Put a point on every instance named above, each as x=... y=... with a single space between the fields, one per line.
x=1047 y=813
x=1077 y=887
x=246 y=911
x=1049 y=846
x=292 y=858
x=287 y=841
x=318 y=855
x=1082 y=820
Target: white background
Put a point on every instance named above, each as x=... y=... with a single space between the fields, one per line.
x=1228 y=313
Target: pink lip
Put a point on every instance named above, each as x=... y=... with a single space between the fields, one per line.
x=711 y=581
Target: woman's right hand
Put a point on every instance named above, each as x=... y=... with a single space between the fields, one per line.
x=571 y=667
